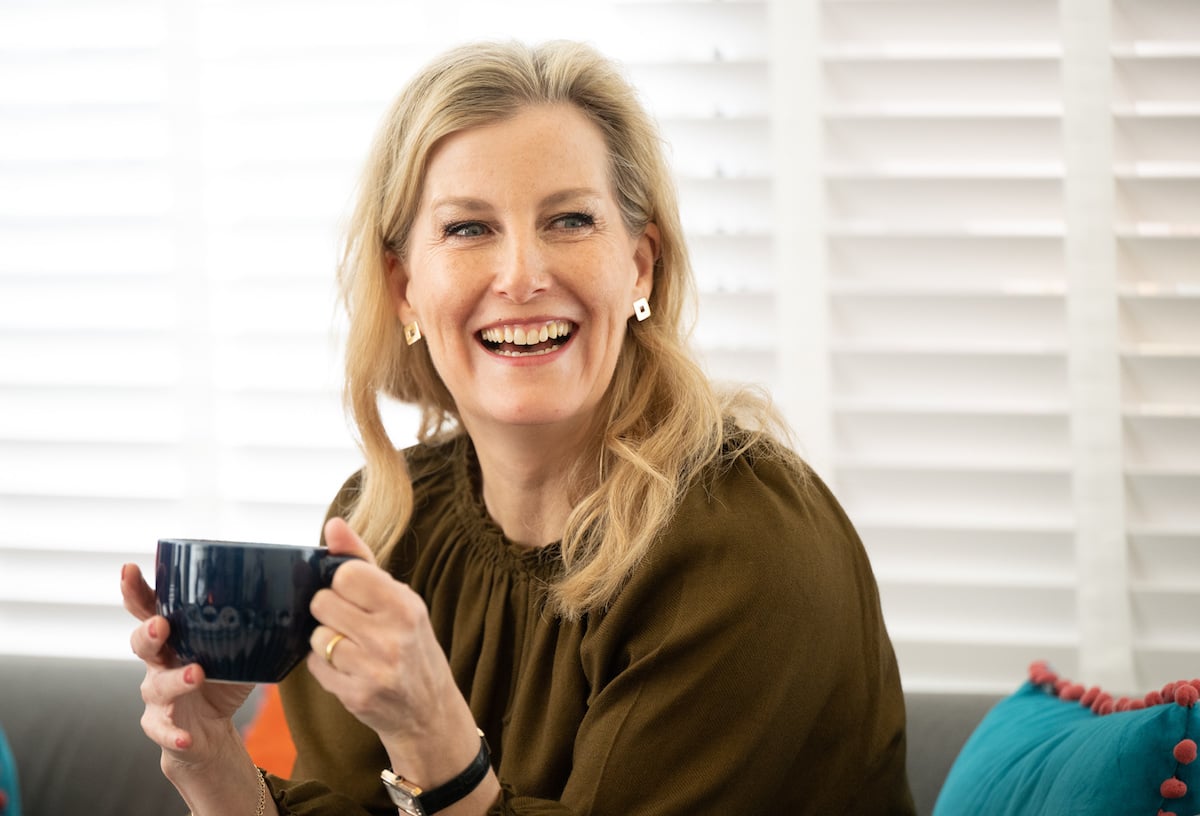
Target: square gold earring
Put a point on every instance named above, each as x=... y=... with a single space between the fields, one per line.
x=412 y=332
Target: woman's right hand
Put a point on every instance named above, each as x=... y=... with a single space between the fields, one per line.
x=191 y=720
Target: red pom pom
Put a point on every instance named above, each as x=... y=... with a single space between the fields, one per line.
x=1072 y=691
x=1041 y=674
x=1173 y=789
x=1166 y=813
x=1060 y=684
x=1168 y=692
x=1090 y=696
x=1186 y=695
x=1136 y=705
x=1185 y=752
x=1105 y=706
x=1154 y=698
x=1122 y=704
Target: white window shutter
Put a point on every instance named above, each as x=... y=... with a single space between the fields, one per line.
x=89 y=354
x=1006 y=323
x=959 y=243
x=947 y=326
x=172 y=178
x=1156 y=182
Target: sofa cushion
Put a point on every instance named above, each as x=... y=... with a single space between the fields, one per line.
x=1056 y=747
x=938 y=725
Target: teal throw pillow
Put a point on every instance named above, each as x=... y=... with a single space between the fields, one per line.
x=1056 y=748
x=10 y=794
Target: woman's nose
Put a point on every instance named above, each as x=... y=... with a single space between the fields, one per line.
x=521 y=272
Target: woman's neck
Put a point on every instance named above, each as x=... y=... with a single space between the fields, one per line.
x=525 y=482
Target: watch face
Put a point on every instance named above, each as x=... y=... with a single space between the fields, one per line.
x=403 y=794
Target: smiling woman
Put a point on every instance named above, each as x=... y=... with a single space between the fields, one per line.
x=522 y=196
x=546 y=246
x=593 y=556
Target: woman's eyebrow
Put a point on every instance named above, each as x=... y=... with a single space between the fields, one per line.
x=466 y=203
x=570 y=194
x=472 y=204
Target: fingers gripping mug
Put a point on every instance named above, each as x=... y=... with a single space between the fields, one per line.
x=240 y=609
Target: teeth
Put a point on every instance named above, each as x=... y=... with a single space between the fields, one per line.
x=527 y=336
x=538 y=353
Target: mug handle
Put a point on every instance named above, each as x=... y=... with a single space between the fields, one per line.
x=328 y=565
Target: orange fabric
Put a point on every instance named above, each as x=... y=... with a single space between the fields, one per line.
x=267 y=737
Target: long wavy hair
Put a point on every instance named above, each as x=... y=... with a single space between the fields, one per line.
x=661 y=421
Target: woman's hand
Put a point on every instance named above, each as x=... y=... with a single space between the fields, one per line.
x=192 y=721
x=389 y=669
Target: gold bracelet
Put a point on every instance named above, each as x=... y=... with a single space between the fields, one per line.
x=262 y=794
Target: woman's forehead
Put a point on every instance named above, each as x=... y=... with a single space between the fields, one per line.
x=541 y=152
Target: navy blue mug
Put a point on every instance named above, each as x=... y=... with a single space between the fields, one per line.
x=240 y=609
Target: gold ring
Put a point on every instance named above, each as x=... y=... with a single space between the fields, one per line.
x=329 y=647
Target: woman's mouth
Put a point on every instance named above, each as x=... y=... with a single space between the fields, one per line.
x=527 y=339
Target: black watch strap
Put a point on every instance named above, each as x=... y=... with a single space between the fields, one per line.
x=443 y=796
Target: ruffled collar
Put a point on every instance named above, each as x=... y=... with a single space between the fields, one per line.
x=490 y=540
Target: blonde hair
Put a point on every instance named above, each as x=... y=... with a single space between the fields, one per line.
x=661 y=421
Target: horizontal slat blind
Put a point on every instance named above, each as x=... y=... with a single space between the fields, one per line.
x=90 y=361
x=895 y=199
x=943 y=196
x=1020 y=457
x=1156 y=119
x=171 y=182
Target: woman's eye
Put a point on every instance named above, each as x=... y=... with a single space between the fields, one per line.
x=465 y=229
x=573 y=221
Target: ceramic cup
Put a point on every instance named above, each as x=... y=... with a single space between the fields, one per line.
x=240 y=609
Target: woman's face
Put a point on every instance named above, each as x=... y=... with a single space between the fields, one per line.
x=520 y=271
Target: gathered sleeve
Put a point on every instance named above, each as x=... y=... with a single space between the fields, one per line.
x=745 y=668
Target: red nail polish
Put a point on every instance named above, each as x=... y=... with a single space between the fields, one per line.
x=189 y=675
x=153 y=629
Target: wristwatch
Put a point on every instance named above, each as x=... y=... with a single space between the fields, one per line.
x=415 y=801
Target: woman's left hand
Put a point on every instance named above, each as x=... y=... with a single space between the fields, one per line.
x=388 y=668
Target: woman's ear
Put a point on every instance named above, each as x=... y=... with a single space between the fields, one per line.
x=645 y=257
x=397 y=282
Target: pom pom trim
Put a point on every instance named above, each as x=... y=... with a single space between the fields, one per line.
x=1185 y=693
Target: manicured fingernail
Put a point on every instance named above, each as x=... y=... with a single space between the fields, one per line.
x=153 y=630
x=189 y=675
x=123 y=567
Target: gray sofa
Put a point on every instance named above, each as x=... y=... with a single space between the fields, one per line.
x=74 y=729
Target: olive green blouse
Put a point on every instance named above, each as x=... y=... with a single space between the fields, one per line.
x=744 y=668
